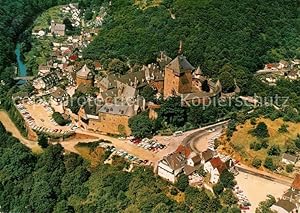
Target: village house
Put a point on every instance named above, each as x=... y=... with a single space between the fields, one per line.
x=193 y=164
x=215 y=167
x=57 y=29
x=289 y=159
x=171 y=166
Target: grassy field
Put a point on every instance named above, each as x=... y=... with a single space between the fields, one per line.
x=239 y=144
x=42 y=22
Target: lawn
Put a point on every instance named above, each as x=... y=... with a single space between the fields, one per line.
x=239 y=144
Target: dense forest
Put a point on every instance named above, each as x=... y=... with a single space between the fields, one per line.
x=58 y=182
x=245 y=34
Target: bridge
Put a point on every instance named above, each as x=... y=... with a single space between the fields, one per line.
x=26 y=78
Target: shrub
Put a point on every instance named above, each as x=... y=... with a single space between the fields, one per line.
x=289 y=168
x=265 y=143
x=43 y=141
x=256 y=162
x=256 y=146
x=274 y=150
x=174 y=191
x=269 y=164
x=59 y=119
x=253 y=121
x=283 y=128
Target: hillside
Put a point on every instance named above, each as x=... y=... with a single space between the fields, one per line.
x=239 y=145
x=243 y=33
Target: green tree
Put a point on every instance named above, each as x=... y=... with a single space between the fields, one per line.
x=264 y=206
x=148 y=93
x=283 y=128
x=256 y=162
x=161 y=208
x=173 y=112
x=141 y=125
x=227 y=179
x=274 y=150
x=117 y=66
x=228 y=197
x=269 y=164
x=43 y=141
x=227 y=82
x=182 y=182
x=261 y=130
x=201 y=171
x=218 y=188
x=289 y=168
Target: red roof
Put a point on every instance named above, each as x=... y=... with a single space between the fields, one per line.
x=218 y=164
x=183 y=150
x=296 y=182
x=73 y=57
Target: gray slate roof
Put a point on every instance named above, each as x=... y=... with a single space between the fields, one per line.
x=180 y=65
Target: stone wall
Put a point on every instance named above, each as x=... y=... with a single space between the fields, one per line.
x=109 y=124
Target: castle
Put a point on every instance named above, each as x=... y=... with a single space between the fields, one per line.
x=119 y=94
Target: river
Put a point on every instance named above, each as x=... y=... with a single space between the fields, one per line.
x=22 y=71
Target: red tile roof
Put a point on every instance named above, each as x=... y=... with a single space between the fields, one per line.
x=183 y=150
x=296 y=182
x=73 y=57
x=218 y=164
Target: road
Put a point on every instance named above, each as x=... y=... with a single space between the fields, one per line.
x=265 y=175
x=198 y=140
x=11 y=127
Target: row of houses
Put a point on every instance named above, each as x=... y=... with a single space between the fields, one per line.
x=183 y=161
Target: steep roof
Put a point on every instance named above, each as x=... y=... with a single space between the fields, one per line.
x=59 y=93
x=175 y=161
x=296 y=182
x=59 y=27
x=183 y=150
x=196 y=159
x=218 y=164
x=84 y=72
x=289 y=157
x=207 y=155
x=118 y=109
x=180 y=65
x=190 y=169
x=286 y=205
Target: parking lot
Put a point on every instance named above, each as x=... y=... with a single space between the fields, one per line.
x=119 y=152
x=39 y=118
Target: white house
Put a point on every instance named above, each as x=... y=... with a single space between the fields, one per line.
x=284 y=206
x=215 y=167
x=171 y=166
x=288 y=159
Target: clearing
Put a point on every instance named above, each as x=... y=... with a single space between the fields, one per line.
x=239 y=144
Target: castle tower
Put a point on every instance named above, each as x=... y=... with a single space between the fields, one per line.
x=178 y=76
